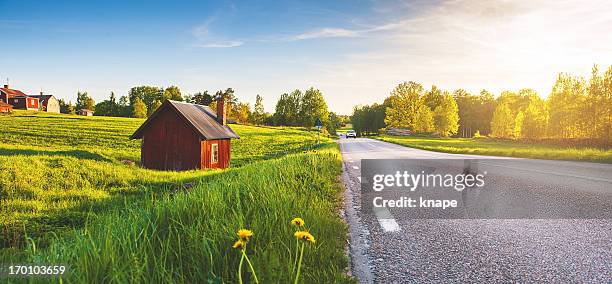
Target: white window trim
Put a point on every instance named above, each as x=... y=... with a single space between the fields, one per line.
x=214 y=153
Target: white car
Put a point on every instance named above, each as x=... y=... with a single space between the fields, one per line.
x=351 y=133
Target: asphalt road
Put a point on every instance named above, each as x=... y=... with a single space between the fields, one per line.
x=396 y=248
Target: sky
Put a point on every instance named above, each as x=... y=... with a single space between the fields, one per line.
x=354 y=51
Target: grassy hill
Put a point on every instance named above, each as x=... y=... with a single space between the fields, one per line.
x=69 y=194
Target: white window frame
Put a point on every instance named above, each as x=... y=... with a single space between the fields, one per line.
x=214 y=153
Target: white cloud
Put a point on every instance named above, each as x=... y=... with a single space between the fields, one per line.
x=206 y=39
x=222 y=44
x=327 y=33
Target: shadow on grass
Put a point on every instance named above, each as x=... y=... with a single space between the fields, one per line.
x=79 y=154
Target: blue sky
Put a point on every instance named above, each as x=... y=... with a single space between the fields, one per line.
x=355 y=52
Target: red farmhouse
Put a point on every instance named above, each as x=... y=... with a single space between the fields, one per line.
x=182 y=136
x=18 y=99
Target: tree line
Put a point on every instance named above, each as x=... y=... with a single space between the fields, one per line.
x=575 y=109
x=292 y=109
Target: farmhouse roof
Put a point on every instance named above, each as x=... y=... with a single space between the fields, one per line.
x=12 y=93
x=201 y=118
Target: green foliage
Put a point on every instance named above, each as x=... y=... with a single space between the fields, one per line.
x=139 y=109
x=313 y=107
x=288 y=109
x=259 y=115
x=147 y=94
x=536 y=119
x=334 y=123
x=565 y=103
x=446 y=117
x=404 y=102
x=368 y=119
x=70 y=173
x=172 y=93
x=200 y=98
x=424 y=119
x=84 y=101
x=502 y=124
x=518 y=124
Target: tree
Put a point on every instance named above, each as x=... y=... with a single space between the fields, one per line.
x=368 y=119
x=606 y=113
x=424 y=119
x=124 y=107
x=172 y=93
x=71 y=108
x=147 y=94
x=139 y=109
x=404 y=102
x=108 y=107
x=469 y=107
x=201 y=98
x=446 y=117
x=258 y=115
x=154 y=107
x=84 y=101
x=333 y=124
x=518 y=124
x=313 y=106
x=433 y=98
x=486 y=107
x=63 y=106
x=242 y=112
x=502 y=124
x=566 y=103
x=536 y=119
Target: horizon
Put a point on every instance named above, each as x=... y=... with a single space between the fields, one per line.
x=353 y=53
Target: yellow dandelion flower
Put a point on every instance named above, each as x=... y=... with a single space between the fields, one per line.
x=305 y=236
x=238 y=244
x=244 y=234
x=298 y=222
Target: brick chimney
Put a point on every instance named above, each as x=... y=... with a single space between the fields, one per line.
x=6 y=86
x=221 y=110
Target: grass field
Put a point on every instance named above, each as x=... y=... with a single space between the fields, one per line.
x=68 y=196
x=486 y=146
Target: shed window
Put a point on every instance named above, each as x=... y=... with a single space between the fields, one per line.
x=214 y=153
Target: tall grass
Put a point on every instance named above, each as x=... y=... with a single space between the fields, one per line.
x=67 y=187
x=188 y=237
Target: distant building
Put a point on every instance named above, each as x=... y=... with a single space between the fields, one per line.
x=48 y=103
x=18 y=99
x=85 y=112
x=183 y=136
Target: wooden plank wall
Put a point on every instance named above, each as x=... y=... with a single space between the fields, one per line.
x=224 y=154
x=170 y=144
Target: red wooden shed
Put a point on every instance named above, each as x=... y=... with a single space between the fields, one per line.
x=182 y=136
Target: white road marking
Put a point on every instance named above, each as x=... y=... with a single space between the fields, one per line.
x=386 y=220
x=355 y=167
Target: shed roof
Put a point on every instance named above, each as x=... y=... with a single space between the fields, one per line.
x=13 y=93
x=201 y=118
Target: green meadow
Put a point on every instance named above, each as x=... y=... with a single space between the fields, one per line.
x=495 y=147
x=70 y=193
